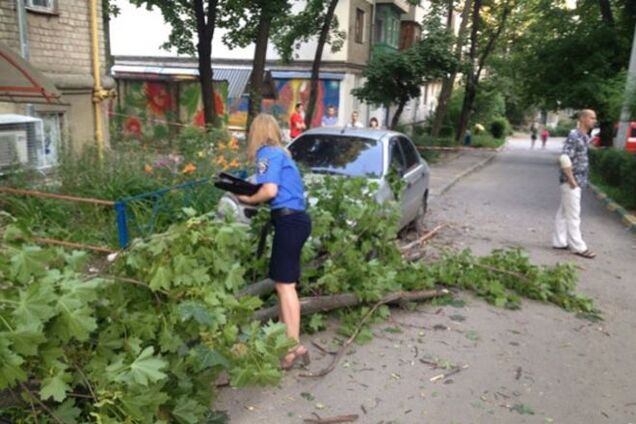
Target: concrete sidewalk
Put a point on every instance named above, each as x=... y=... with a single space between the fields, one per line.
x=455 y=166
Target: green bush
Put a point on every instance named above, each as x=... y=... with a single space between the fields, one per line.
x=610 y=166
x=487 y=141
x=563 y=128
x=499 y=127
x=615 y=172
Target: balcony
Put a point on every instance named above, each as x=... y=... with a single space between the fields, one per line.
x=402 y=5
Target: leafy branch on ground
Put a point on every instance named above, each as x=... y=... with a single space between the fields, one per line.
x=149 y=343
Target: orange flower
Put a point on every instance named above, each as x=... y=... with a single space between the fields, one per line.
x=221 y=146
x=220 y=160
x=148 y=169
x=233 y=144
x=234 y=164
x=189 y=168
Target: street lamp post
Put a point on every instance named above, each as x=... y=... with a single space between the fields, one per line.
x=630 y=99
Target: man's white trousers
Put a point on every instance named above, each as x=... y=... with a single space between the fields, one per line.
x=567 y=230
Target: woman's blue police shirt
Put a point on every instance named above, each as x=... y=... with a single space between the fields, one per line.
x=273 y=165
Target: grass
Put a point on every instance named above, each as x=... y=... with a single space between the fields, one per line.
x=125 y=171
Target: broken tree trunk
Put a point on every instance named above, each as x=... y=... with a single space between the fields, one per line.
x=312 y=305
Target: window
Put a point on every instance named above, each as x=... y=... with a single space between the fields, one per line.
x=338 y=154
x=379 y=30
x=410 y=154
x=359 y=27
x=397 y=160
x=41 y=5
x=51 y=138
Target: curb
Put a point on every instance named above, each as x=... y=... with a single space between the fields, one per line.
x=464 y=174
x=627 y=219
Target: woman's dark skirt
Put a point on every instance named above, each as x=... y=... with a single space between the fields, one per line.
x=290 y=234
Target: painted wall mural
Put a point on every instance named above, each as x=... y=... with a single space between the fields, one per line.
x=289 y=92
x=157 y=109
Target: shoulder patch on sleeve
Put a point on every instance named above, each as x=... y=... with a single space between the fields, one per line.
x=262 y=166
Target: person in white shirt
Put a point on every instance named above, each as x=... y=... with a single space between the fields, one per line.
x=354 y=123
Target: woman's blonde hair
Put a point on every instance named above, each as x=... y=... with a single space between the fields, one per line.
x=263 y=131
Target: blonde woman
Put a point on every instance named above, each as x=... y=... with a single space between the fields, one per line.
x=282 y=187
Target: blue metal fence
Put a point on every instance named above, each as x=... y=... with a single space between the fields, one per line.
x=158 y=199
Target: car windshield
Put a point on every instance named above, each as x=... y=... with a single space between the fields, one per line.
x=339 y=154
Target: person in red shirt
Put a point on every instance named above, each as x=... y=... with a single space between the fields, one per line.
x=297 y=121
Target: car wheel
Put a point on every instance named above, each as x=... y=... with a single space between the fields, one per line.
x=421 y=212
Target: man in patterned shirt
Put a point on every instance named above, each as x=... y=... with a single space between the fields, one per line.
x=574 y=170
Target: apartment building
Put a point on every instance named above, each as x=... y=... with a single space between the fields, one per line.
x=55 y=38
x=367 y=24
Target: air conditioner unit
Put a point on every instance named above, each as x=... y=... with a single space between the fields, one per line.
x=22 y=141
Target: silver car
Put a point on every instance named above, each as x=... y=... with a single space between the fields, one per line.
x=357 y=152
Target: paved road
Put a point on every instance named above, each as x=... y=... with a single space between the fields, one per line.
x=539 y=359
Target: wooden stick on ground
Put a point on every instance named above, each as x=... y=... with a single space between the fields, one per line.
x=389 y=298
x=448 y=374
x=422 y=239
x=332 y=420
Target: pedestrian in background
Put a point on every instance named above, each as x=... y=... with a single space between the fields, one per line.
x=373 y=123
x=297 y=121
x=544 y=137
x=573 y=177
x=331 y=118
x=282 y=187
x=354 y=123
x=533 y=135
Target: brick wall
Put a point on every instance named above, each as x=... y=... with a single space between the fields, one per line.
x=59 y=43
x=9 y=25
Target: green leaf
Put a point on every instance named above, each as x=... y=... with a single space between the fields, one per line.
x=27 y=338
x=196 y=311
x=67 y=412
x=208 y=358
x=11 y=371
x=55 y=387
x=29 y=261
x=74 y=323
x=234 y=278
x=161 y=279
x=188 y=411
x=34 y=304
x=145 y=369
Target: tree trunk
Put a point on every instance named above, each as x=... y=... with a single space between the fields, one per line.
x=606 y=133
x=258 y=68
x=315 y=67
x=397 y=114
x=312 y=305
x=106 y=28
x=471 y=83
x=448 y=83
x=606 y=12
x=205 y=32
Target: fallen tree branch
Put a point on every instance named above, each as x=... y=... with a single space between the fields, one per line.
x=448 y=374
x=422 y=239
x=312 y=305
x=332 y=420
x=257 y=289
x=502 y=271
x=389 y=298
x=322 y=349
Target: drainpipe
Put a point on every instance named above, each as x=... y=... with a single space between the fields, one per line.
x=23 y=30
x=99 y=94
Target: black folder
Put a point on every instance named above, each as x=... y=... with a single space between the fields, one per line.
x=235 y=185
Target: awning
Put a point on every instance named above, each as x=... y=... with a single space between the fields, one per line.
x=236 y=76
x=20 y=82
